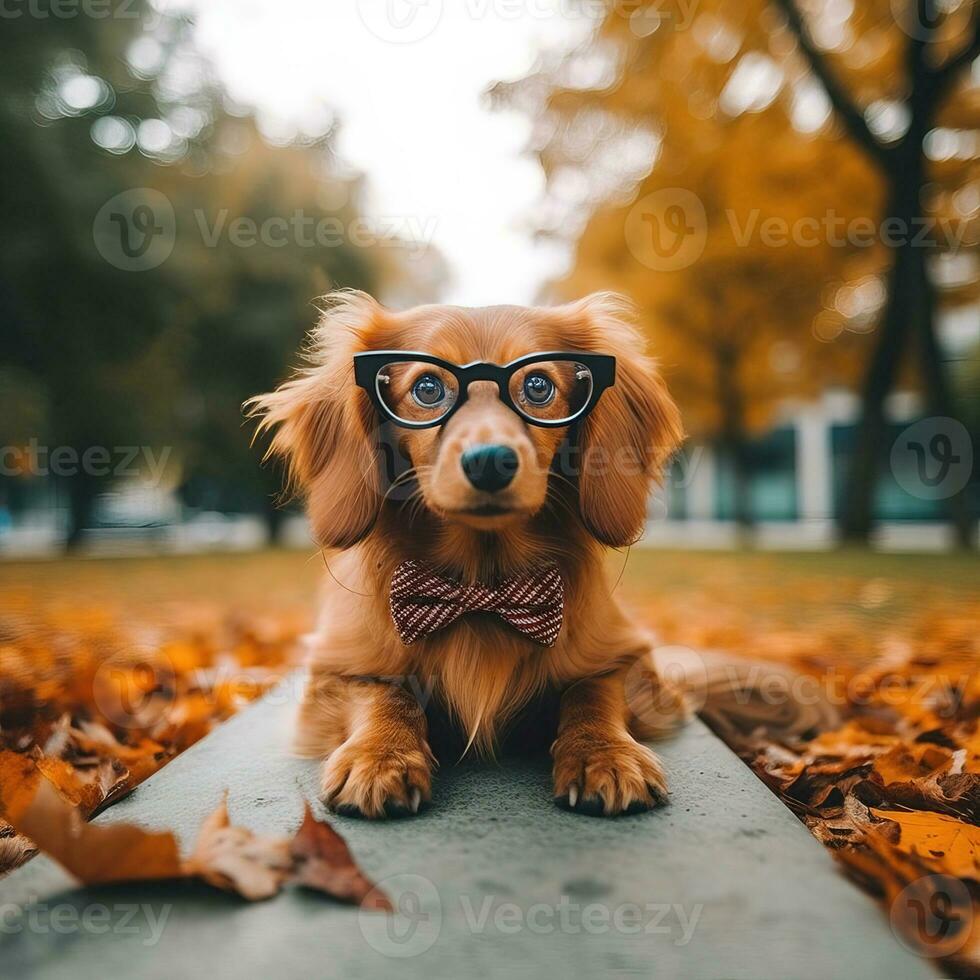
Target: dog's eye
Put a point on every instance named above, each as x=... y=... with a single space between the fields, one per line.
x=428 y=391
x=538 y=389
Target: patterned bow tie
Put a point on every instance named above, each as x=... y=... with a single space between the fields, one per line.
x=422 y=602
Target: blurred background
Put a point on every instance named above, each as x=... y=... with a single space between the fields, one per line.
x=789 y=191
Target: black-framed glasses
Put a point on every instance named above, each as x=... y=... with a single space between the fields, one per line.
x=550 y=389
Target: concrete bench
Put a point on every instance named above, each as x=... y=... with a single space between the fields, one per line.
x=492 y=880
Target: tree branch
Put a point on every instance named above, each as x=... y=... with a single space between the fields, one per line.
x=851 y=116
x=945 y=74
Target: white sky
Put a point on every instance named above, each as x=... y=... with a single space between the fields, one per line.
x=412 y=114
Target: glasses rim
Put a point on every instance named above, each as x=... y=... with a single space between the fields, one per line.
x=367 y=364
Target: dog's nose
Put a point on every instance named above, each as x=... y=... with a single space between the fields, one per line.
x=489 y=468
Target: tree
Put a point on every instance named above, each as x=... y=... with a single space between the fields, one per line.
x=728 y=111
x=935 y=60
x=253 y=226
x=732 y=328
x=110 y=353
x=74 y=326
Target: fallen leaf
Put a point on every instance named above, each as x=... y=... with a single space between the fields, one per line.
x=88 y=788
x=19 y=779
x=15 y=849
x=228 y=857
x=954 y=845
x=235 y=859
x=324 y=863
x=96 y=852
x=905 y=763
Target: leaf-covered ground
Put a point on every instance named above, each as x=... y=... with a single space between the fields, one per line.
x=109 y=668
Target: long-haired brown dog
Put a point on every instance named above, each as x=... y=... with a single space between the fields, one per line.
x=495 y=489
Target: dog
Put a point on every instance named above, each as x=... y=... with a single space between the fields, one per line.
x=469 y=490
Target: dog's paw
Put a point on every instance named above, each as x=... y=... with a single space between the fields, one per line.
x=364 y=781
x=607 y=778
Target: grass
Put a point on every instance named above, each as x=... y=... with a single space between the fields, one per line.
x=840 y=605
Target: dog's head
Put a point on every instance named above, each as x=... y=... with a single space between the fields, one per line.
x=477 y=448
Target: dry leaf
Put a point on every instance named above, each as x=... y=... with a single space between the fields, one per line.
x=227 y=857
x=86 y=788
x=323 y=862
x=15 y=849
x=19 y=779
x=954 y=845
x=235 y=859
x=96 y=853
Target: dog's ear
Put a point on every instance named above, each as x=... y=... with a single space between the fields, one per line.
x=633 y=430
x=324 y=425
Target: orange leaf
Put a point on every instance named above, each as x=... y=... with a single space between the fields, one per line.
x=96 y=853
x=235 y=859
x=18 y=782
x=325 y=863
x=952 y=843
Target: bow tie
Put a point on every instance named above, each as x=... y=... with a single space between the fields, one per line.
x=422 y=601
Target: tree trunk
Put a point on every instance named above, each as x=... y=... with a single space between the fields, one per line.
x=82 y=491
x=910 y=304
x=733 y=441
x=940 y=400
x=273 y=516
x=904 y=302
x=741 y=470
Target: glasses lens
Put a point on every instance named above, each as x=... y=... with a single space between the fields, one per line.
x=414 y=391
x=552 y=391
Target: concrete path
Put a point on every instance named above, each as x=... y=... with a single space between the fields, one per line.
x=493 y=880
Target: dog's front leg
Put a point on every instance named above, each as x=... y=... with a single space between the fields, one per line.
x=599 y=768
x=383 y=768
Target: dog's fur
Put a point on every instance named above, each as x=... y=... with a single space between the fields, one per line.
x=374 y=734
